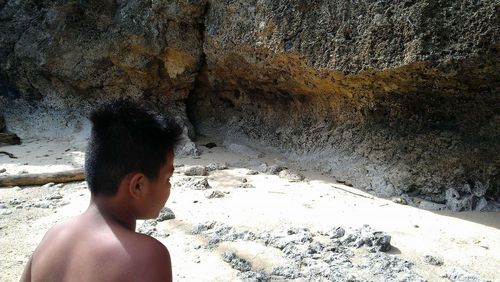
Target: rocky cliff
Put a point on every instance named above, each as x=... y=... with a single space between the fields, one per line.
x=62 y=56
x=398 y=97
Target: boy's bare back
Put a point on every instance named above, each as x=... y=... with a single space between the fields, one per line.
x=88 y=248
x=128 y=166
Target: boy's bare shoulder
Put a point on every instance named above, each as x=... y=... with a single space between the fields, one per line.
x=150 y=260
x=123 y=253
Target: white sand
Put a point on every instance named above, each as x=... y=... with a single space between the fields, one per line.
x=469 y=240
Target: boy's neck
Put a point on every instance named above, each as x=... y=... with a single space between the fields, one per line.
x=112 y=212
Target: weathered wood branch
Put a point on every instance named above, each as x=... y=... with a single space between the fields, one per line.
x=42 y=178
x=8 y=154
x=10 y=138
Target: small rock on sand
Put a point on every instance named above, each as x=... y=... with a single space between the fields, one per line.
x=433 y=260
x=457 y=274
x=366 y=236
x=431 y=206
x=165 y=214
x=254 y=276
x=271 y=169
x=149 y=228
x=291 y=175
x=457 y=202
x=5 y=211
x=236 y=262
x=245 y=185
x=195 y=183
x=195 y=170
x=48 y=185
x=216 y=166
x=55 y=196
x=214 y=194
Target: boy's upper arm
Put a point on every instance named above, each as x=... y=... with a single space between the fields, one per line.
x=155 y=264
x=26 y=276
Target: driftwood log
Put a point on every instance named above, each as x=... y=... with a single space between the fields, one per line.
x=10 y=138
x=42 y=178
x=12 y=156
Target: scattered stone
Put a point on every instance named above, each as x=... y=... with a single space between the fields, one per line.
x=195 y=170
x=252 y=172
x=48 y=185
x=2 y=206
x=456 y=274
x=243 y=180
x=287 y=272
x=314 y=260
x=263 y=168
x=479 y=189
x=149 y=228
x=254 y=276
x=187 y=148
x=236 y=262
x=42 y=204
x=271 y=169
x=336 y=232
x=195 y=183
x=431 y=206
x=216 y=166
x=55 y=196
x=365 y=236
x=295 y=236
x=2 y=170
x=457 y=203
x=15 y=202
x=5 y=211
x=400 y=200
x=203 y=227
x=245 y=185
x=165 y=214
x=481 y=205
x=64 y=203
x=390 y=268
x=433 y=260
x=210 y=145
x=214 y=194
x=291 y=175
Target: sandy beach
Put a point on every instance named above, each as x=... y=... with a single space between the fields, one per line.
x=231 y=216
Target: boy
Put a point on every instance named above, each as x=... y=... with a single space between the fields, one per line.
x=128 y=164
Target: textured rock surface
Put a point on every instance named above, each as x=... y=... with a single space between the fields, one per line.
x=66 y=56
x=393 y=96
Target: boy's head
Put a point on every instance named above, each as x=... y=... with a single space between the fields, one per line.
x=126 y=138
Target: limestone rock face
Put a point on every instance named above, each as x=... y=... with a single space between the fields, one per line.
x=393 y=96
x=76 y=53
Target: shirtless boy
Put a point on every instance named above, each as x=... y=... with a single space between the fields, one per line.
x=128 y=164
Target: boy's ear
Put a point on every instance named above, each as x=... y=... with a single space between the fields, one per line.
x=136 y=187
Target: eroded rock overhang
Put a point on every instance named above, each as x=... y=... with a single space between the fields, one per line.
x=393 y=96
